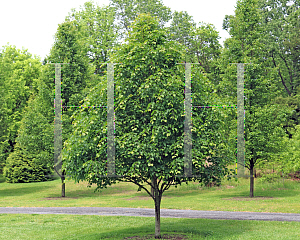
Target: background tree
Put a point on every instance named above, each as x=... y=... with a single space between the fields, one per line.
x=201 y=42
x=264 y=118
x=180 y=30
x=38 y=120
x=280 y=20
x=149 y=113
x=77 y=75
x=32 y=158
x=127 y=11
x=206 y=47
x=100 y=33
x=19 y=72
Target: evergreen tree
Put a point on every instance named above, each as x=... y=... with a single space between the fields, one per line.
x=32 y=158
x=19 y=72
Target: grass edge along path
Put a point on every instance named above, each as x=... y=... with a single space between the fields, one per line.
x=48 y=226
x=148 y=212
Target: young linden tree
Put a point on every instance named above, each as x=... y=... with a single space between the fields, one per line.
x=149 y=121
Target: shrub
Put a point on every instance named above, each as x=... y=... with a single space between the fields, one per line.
x=22 y=168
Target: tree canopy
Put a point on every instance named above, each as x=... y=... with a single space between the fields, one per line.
x=149 y=113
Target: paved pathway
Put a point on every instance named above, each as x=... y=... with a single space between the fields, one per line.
x=146 y=212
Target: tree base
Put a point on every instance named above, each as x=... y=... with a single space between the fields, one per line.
x=163 y=236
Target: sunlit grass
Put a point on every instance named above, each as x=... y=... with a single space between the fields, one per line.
x=230 y=196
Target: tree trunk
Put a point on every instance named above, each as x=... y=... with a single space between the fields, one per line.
x=157 y=200
x=251 y=181
x=63 y=187
x=157 y=215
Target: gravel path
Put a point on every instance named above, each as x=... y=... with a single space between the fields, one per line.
x=146 y=212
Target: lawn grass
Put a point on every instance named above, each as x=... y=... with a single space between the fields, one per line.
x=83 y=227
x=231 y=196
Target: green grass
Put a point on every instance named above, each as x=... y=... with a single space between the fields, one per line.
x=26 y=226
x=231 y=196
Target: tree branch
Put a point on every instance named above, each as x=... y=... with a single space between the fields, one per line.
x=286 y=88
x=159 y=181
x=163 y=184
x=290 y=73
x=141 y=186
x=167 y=186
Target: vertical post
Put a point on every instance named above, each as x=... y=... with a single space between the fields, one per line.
x=240 y=121
x=58 y=128
x=58 y=120
x=188 y=122
x=110 y=121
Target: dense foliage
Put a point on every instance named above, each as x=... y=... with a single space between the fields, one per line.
x=149 y=113
x=19 y=73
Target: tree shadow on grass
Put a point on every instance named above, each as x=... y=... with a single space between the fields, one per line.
x=77 y=194
x=19 y=191
x=109 y=191
x=181 y=229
